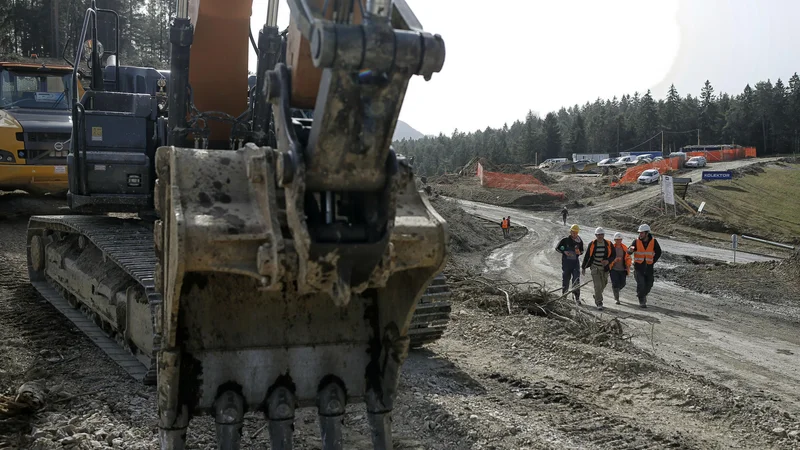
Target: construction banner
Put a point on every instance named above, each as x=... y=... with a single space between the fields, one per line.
x=668 y=190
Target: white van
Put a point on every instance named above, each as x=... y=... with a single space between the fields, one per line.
x=547 y=163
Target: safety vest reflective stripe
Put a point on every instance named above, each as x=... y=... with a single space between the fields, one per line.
x=642 y=254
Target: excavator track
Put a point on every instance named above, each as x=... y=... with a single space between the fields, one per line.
x=127 y=244
x=432 y=314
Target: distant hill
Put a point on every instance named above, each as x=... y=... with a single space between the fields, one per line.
x=405 y=131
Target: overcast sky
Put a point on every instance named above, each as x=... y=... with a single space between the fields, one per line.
x=519 y=55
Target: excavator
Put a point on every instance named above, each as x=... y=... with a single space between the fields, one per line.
x=243 y=257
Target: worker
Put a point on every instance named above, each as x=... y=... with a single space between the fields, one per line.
x=646 y=252
x=620 y=266
x=571 y=248
x=598 y=258
x=504 y=224
x=564 y=214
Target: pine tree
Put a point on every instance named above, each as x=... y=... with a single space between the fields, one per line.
x=708 y=113
x=647 y=125
x=578 y=141
x=552 y=136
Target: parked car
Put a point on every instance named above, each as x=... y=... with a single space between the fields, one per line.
x=658 y=158
x=607 y=162
x=625 y=161
x=696 y=161
x=643 y=159
x=649 y=176
x=548 y=163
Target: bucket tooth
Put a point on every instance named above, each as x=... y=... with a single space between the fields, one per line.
x=280 y=413
x=380 y=425
x=331 y=402
x=173 y=436
x=229 y=409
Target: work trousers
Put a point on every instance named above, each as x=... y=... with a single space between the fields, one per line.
x=571 y=269
x=599 y=280
x=644 y=282
x=505 y=232
x=618 y=279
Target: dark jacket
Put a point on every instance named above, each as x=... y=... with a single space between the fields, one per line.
x=587 y=258
x=644 y=267
x=568 y=254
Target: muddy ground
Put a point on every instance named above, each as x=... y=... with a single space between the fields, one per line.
x=775 y=283
x=494 y=381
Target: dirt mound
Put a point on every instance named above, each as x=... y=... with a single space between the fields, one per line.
x=771 y=282
x=541 y=175
x=468 y=233
x=790 y=268
x=755 y=169
x=537 y=173
x=470 y=189
x=471 y=168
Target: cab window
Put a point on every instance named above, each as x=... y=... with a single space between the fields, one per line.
x=28 y=89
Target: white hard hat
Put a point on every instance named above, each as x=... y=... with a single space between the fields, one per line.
x=617 y=235
x=644 y=227
x=599 y=230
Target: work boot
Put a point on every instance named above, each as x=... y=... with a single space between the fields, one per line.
x=598 y=303
x=577 y=299
x=643 y=302
x=616 y=296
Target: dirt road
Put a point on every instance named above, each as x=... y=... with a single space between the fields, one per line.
x=492 y=382
x=742 y=344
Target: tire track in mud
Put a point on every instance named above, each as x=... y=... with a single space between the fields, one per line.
x=585 y=422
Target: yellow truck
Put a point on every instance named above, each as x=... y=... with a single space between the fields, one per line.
x=35 y=126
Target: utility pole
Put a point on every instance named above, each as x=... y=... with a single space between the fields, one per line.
x=698 y=136
x=662 y=142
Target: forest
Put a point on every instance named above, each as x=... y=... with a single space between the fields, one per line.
x=766 y=117
x=45 y=27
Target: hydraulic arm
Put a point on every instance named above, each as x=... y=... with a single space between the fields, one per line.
x=290 y=266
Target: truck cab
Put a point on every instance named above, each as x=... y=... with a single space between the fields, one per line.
x=35 y=126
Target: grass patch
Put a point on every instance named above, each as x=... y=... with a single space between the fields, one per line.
x=763 y=204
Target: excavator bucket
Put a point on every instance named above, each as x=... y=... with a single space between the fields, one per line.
x=237 y=332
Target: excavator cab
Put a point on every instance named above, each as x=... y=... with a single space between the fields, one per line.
x=114 y=133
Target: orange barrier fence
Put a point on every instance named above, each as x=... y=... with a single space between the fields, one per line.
x=666 y=165
x=517 y=182
x=731 y=154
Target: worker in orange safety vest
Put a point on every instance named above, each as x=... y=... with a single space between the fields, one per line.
x=598 y=257
x=620 y=266
x=505 y=224
x=646 y=251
